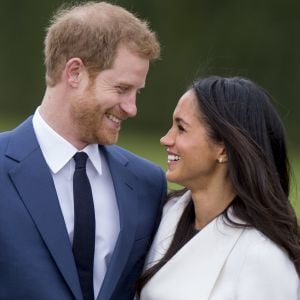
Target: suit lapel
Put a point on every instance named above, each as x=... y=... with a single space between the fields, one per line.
x=124 y=182
x=33 y=181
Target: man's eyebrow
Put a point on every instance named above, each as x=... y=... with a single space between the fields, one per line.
x=129 y=85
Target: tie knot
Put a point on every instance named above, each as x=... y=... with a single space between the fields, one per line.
x=80 y=160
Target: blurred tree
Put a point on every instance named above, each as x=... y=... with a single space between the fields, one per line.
x=256 y=39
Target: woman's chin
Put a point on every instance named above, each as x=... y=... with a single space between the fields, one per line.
x=172 y=177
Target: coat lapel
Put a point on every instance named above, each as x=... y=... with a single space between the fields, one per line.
x=33 y=181
x=124 y=182
x=206 y=255
x=172 y=212
x=195 y=268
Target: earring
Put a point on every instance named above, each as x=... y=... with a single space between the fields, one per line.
x=220 y=160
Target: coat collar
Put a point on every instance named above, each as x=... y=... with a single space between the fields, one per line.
x=200 y=260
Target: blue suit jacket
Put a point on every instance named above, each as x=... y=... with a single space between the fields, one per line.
x=36 y=261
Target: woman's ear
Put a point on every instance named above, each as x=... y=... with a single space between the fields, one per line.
x=222 y=155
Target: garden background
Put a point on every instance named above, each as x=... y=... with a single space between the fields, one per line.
x=257 y=39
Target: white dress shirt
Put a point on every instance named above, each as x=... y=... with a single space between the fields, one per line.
x=58 y=154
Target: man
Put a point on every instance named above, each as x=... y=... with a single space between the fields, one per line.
x=54 y=246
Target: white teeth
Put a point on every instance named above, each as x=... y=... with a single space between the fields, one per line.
x=173 y=157
x=113 y=118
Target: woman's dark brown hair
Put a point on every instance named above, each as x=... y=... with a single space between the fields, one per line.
x=239 y=113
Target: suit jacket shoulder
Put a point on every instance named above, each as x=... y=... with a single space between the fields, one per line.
x=134 y=159
x=139 y=166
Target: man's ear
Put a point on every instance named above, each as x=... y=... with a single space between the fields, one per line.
x=74 y=71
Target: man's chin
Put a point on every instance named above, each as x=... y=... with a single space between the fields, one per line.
x=108 y=140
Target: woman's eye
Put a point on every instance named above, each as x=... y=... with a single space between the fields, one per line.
x=180 y=128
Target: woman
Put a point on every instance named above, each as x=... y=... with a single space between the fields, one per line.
x=231 y=233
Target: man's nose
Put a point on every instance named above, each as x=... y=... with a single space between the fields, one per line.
x=129 y=107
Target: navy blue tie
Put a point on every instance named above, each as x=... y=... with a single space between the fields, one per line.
x=84 y=226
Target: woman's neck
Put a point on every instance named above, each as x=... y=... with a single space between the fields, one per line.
x=211 y=202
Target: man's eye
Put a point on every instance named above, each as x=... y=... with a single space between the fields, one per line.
x=122 y=89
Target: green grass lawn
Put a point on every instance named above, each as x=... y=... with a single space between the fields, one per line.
x=295 y=183
x=147 y=145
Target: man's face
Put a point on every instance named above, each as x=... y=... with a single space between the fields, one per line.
x=109 y=99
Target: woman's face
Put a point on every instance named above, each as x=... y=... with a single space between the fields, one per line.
x=192 y=156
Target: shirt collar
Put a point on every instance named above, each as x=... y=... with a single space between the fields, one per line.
x=58 y=151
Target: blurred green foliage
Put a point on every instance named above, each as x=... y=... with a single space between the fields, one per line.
x=257 y=39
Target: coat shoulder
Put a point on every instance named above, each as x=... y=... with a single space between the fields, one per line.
x=267 y=268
